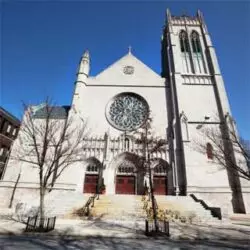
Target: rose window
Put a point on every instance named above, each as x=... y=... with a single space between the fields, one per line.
x=127 y=111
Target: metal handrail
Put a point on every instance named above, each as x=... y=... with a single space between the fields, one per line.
x=91 y=202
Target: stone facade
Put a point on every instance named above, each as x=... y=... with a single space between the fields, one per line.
x=189 y=94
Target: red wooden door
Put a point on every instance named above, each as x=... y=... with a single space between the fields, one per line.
x=90 y=183
x=125 y=184
x=160 y=185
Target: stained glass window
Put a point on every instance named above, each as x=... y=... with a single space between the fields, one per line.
x=127 y=111
x=185 y=52
x=197 y=53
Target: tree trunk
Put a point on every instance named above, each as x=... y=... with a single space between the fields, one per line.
x=153 y=200
x=54 y=178
x=42 y=193
x=14 y=191
x=147 y=154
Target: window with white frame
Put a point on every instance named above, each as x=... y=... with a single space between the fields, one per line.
x=4 y=153
x=185 y=52
x=14 y=131
x=8 y=128
x=198 y=59
x=1 y=151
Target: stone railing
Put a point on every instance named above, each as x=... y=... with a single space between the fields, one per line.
x=99 y=147
x=197 y=79
x=182 y=20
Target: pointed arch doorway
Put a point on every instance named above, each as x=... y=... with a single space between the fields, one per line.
x=125 y=179
x=93 y=175
x=129 y=179
x=162 y=177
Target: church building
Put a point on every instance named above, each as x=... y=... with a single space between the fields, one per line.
x=188 y=96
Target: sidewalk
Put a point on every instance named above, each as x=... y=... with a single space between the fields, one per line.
x=69 y=227
x=131 y=229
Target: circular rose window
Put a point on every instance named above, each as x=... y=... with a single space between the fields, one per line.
x=127 y=111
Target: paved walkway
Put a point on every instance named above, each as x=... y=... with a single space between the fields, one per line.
x=97 y=234
x=103 y=243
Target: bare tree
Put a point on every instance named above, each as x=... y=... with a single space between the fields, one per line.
x=51 y=144
x=246 y=146
x=150 y=146
x=213 y=142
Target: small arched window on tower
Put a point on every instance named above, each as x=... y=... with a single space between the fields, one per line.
x=210 y=153
x=199 y=65
x=185 y=52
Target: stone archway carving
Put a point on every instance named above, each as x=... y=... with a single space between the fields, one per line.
x=93 y=175
x=128 y=164
x=160 y=170
x=92 y=164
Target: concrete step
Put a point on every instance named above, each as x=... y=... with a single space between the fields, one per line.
x=185 y=205
x=131 y=206
x=118 y=207
x=60 y=203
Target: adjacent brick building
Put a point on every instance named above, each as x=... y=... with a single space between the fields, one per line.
x=9 y=126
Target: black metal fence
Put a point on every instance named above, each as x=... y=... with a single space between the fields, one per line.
x=36 y=224
x=162 y=228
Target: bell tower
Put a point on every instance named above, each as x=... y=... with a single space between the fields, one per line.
x=196 y=97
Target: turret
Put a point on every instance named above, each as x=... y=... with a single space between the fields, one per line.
x=84 y=67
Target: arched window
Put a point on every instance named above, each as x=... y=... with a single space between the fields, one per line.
x=184 y=127
x=210 y=154
x=160 y=170
x=126 y=144
x=185 y=52
x=92 y=168
x=125 y=169
x=199 y=65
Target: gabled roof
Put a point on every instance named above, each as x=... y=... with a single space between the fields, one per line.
x=58 y=112
x=11 y=117
x=128 y=70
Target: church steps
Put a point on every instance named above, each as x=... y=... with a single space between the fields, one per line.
x=185 y=205
x=62 y=203
x=118 y=207
x=130 y=206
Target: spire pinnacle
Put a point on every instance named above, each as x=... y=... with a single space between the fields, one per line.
x=129 y=49
x=84 y=66
x=86 y=54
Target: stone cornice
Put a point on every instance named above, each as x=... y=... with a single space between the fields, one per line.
x=35 y=185
x=122 y=86
x=203 y=122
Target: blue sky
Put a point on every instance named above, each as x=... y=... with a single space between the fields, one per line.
x=42 y=42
